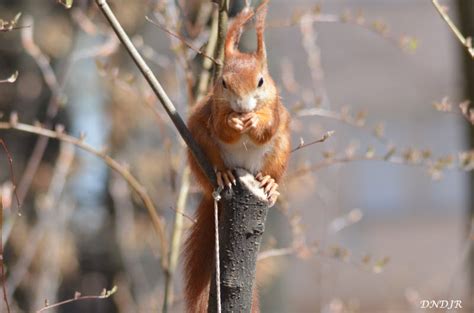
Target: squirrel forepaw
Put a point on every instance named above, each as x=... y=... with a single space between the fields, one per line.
x=250 y=121
x=270 y=187
x=234 y=121
x=242 y=122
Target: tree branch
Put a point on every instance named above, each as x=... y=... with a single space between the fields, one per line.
x=204 y=78
x=223 y=17
x=466 y=42
x=158 y=90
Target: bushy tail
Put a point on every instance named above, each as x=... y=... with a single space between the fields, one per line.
x=199 y=257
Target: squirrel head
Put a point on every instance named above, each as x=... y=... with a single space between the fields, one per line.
x=245 y=82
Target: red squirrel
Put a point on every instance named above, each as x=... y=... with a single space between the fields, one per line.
x=240 y=124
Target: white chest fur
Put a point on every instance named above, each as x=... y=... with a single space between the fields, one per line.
x=245 y=154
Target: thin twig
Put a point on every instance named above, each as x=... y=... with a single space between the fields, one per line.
x=112 y=163
x=40 y=58
x=223 y=17
x=275 y=252
x=56 y=88
x=345 y=117
x=176 y=235
x=77 y=297
x=189 y=217
x=322 y=139
x=12 y=173
x=435 y=167
x=2 y=258
x=466 y=42
x=205 y=76
x=158 y=90
x=187 y=44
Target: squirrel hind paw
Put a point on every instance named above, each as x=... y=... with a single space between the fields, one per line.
x=225 y=178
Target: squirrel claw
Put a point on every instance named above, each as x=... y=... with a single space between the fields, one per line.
x=270 y=187
x=225 y=179
x=273 y=198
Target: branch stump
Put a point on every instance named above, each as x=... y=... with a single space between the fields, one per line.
x=243 y=212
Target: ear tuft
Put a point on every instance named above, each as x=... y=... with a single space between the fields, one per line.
x=235 y=31
x=261 y=14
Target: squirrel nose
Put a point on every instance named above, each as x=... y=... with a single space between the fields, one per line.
x=247 y=104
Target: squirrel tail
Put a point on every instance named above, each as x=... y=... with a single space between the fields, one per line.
x=199 y=257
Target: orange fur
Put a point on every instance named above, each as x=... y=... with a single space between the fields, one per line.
x=209 y=124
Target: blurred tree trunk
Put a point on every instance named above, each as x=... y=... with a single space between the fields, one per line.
x=466 y=15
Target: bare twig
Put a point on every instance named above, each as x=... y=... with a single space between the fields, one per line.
x=12 y=173
x=337 y=253
x=56 y=88
x=77 y=297
x=466 y=42
x=304 y=250
x=177 y=233
x=270 y=253
x=322 y=139
x=358 y=121
x=113 y=164
x=189 y=217
x=40 y=58
x=158 y=90
x=204 y=77
x=2 y=258
x=223 y=17
x=410 y=157
x=187 y=44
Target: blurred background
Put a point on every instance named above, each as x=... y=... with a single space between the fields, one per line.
x=374 y=219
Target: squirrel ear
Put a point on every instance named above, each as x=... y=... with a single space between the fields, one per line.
x=261 y=12
x=235 y=31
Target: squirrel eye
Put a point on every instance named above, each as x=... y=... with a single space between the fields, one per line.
x=224 y=84
x=260 y=82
